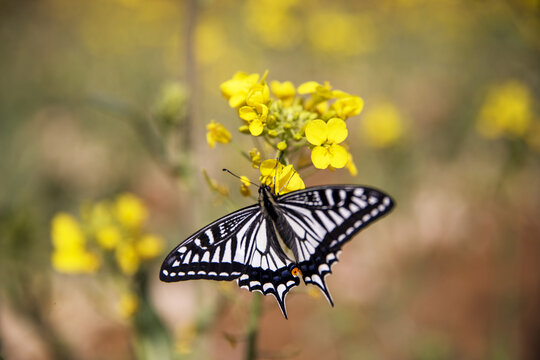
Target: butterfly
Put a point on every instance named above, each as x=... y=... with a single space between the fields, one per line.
x=269 y=246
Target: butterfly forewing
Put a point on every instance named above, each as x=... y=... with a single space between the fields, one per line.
x=246 y=245
x=217 y=252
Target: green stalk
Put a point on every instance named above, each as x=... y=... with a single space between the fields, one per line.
x=253 y=327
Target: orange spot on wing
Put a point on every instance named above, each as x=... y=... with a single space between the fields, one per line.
x=296 y=272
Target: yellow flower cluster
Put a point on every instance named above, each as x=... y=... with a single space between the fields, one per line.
x=507 y=111
x=290 y=120
x=382 y=125
x=106 y=227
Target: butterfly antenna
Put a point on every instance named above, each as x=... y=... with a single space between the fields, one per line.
x=238 y=177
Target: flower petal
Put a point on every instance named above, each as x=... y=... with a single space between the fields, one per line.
x=320 y=157
x=338 y=156
x=256 y=127
x=308 y=87
x=268 y=167
x=247 y=113
x=337 y=130
x=316 y=132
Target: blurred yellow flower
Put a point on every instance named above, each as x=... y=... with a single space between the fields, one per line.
x=186 y=338
x=108 y=237
x=244 y=186
x=326 y=137
x=211 y=41
x=283 y=90
x=127 y=258
x=217 y=133
x=214 y=185
x=348 y=106
x=323 y=91
x=236 y=89
x=149 y=246
x=382 y=125
x=286 y=178
x=70 y=254
x=507 y=111
x=97 y=215
x=255 y=157
x=309 y=87
x=341 y=34
x=273 y=22
x=130 y=211
x=75 y=261
x=66 y=232
x=350 y=165
x=128 y=304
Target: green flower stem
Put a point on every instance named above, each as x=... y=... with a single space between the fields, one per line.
x=152 y=339
x=253 y=327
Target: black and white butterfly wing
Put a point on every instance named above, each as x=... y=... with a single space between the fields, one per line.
x=242 y=246
x=323 y=219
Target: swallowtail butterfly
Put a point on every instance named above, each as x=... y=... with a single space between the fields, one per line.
x=269 y=246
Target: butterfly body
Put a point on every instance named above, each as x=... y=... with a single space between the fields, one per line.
x=267 y=247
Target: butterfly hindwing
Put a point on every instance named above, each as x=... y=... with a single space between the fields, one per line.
x=323 y=219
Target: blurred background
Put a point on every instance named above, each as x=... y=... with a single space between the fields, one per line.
x=108 y=97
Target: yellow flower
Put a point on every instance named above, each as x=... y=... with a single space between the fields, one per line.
x=283 y=90
x=286 y=178
x=128 y=304
x=236 y=89
x=75 y=261
x=382 y=126
x=66 y=232
x=255 y=116
x=348 y=106
x=217 y=133
x=281 y=146
x=149 y=246
x=186 y=339
x=274 y=22
x=507 y=111
x=323 y=91
x=256 y=110
x=351 y=166
x=70 y=254
x=330 y=32
x=214 y=185
x=130 y=211
x=326 y=137
x=127 y=258
x=97 y=215
x=308 y=87
x=108 y=237
x=255 y=157
x=258 y=95
x=244 y=187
